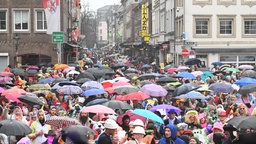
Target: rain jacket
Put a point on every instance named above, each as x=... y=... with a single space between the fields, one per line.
x=174 y=139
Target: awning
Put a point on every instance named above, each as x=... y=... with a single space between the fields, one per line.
x=224 y=49
x=127 y=44
x=72 y=45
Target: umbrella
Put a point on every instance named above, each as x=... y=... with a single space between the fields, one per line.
x=131 y=115
x=82 y=80
x=221 y=88
x=115 y=104
x=185 y=88
x=166 y=107
x=30 y=99
x=91 y=84
x=120 y=83
x=99 y=72
x=166 y=80
x=85 y=75
x=245 y=81
x=69 y=69
x=171 y=70
x=99 y=109
x=122 y=79
x=18 y=71
x=146 y=76
x=118 y=65
x=185 y=75
x=203 y=87
x=247 y=67
x=78 y=128
x=146 y=66
x=142 y=83
x=2 y=90
x=247 y=89
x=217 y=63
x=197 y=73
x=249 y=73
x=11 y=127
x=33 y=67
x=125 y=89
x=131 y=70
x=61 y=122
x=154 y=90
x=63 y=83
x=169 y=88
x=70 y=89
x=6 y=74
x=192 y=95
x=61 y=67
x=168 y=67
x=107 y=84
x=46 y=80
x=203 y=69
x=243 y=122
x=78 y=134
x=206 y=74
x=14 y=91
x=31 y=72
x=97 y=101
x=131 y=75
x=134 y=96
x=5 y=79
x=175 y=84
x=58 y=80
x=93 y=92
x=224 y=67
x=181 y=68
x=35 y=87
x=192 y=61
x=73 y=72
x=232 y=69
x=148 y=114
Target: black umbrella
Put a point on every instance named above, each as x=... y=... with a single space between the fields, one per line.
x=249 y=73
x=18 y=71
x=11 y=127
x=142 y=83
x=146 y=76
x=131 y=70
x=169 y=66
x=169 y=88
x=115 y=104
x=97 y=101
x=131 y=75
x=203 y=69
x=185 y=88
x=99 y=72
x=166 y=80
x=244 y=122
x=31 y=72
x=30 y=99
x=82 y=80
x=85 y=75
x=58 y=80
x=118 y=65
x=192 y=61
x=247 y=89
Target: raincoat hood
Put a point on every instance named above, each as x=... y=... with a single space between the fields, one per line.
x=173 y=130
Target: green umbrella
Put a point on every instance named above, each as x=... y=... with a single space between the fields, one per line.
x=232 y=69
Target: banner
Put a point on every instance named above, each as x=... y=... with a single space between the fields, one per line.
x=52 y=13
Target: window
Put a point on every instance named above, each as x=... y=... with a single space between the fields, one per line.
x=202 y=26
x=41 y=24
x=3 y=20
x=226 y=26
x=250 y=26
x=21 y=18
x=101 y=38
x=100 y=31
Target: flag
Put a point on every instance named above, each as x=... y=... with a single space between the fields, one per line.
x=52 y=13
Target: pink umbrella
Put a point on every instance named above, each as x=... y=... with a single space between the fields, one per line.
x=133 y=96
x=120 y=83
x=6 y=74
x=5 y=79
x=131 y=115
x=14 y=91
x=33 y=67
x=171 y=70
x=182 y=68
x=98 y=109
x=68 y=69
x=13 y=97
x=2 y=90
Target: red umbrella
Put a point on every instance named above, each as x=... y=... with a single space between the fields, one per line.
x=131 y=115
x=106 y=84
x=61 y=122
x=98 y=109
x=6 y=74
x=134 y=96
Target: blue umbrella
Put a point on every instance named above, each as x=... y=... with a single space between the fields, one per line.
x=91 y=85
x=148 y=114
x=92 y=92
x=186 y=75
x=192 y=95
x=97 y=101
x=217 y=63
x=46 y=80
x=206 y=74
x=146 y=66
x=166 y=107
x=245 y=81
x=221 y=88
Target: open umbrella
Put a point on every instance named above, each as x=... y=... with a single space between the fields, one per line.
x=192 y=95
x=232 y=69
x=247 y=67
x=68 y=69
x=1 y=90
x=93 y=92
x=197 y=73
x=206 y=74
x=192 y=61
x=154 y=90
x=249 y=73
x=115 y=104
x=243 y=122
x=146 y=76
x=61 y=67
x=148 y=114
x=5 y=79
x=125 y=89
x=118 y=65
x=6 y=74
x=61 y=122
x=146 y=66
x=247 y=89
x=82 y=80
x=18 y=71
x=131 y=115
x=99 y=109
x=185 y=75
x=224 y=67
x=46 y=80
x=166 y=107
x=169 y=88
x=171 y=70
x=35 y=87
x=11 y=127
x=63 y=83
x=91 y=85
x=31 y=72
x=85 y=75
x=58 y=80
x=33 y=67
x=182 y=68
x=166 y=80
x=185 y=88
x=97 y=101
x=245 y=81
x=221 y=88
x=70 y=89
x=217 y=63
x=30 y=99
x=133 y=96
x=131 y=70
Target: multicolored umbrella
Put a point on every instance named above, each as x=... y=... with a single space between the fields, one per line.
x=148 y=114
x=61 y=122
x=99 y=109
x=154 y=90
x=70 y=90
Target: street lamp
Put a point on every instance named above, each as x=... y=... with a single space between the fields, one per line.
x=16 y=44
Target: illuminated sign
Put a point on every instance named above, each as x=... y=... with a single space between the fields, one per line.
x=144 y=20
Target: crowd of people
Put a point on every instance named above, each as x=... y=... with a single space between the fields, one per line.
x=200 y=118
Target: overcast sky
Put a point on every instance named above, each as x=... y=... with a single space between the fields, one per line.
x=95 y=4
